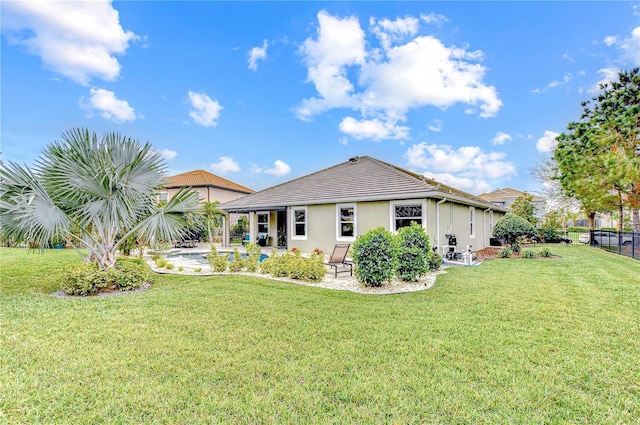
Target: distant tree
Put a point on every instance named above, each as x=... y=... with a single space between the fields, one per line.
x=558 y=203
x=599 y=156
x=524 y=207
x=512 y=228
x=93 y=193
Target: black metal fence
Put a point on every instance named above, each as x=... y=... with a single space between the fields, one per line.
x=623 y=243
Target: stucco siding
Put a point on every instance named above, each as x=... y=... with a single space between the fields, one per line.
x=322 y=224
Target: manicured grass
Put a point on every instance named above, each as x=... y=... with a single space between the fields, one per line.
x=511 y=341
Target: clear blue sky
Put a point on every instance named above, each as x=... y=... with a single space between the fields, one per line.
x=469 y=93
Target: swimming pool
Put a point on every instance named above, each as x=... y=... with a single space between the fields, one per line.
x=199 y=259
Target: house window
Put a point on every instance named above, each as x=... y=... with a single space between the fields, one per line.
x=472 y=222
x=405 y=213
x=346 y=222
x=163 y=197
x=263 y=222
x=299 y=223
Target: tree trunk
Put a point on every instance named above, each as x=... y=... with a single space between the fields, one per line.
x=592 y=220
x=636 y=220
x=620 y=212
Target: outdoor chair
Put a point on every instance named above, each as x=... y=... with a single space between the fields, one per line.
x=338 y=260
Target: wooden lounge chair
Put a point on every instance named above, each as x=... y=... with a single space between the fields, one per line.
x=338 y=260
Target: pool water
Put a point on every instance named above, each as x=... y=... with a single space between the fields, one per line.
x=198 y=259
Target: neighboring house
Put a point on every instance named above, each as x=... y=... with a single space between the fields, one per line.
x=505 y=198
x=339 y=203
x=210 y=187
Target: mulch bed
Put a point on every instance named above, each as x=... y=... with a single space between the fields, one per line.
x=493 y=252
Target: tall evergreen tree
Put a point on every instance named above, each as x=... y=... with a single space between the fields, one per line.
x=599 y=156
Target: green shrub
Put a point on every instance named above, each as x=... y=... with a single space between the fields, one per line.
x=545 y=252
x=219 y=263
x=292 y=264
x=413 y=252
x=253 y=257
x=309 y=269
x=87 y=279
x=528 y=253
x=238 y=263
x=180 y=269
x=505 y=253
x=267 y=264
x=197 y=270
x=375 y=257
x=161 y=262
x=513 y=228
x=169 y=266
x=84 y=279
x=434 y=261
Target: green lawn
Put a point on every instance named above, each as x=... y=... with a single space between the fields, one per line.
x=512 y=341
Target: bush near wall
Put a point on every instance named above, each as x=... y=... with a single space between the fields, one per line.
x=375 y=254
x=413 y=252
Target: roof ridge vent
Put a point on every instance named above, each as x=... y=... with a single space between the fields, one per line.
x=354 y=159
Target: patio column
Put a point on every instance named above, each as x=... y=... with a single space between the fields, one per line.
x=253 y=225
x=225 y=231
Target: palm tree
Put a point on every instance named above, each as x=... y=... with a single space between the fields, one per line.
x=94 y=193
x=212 y=215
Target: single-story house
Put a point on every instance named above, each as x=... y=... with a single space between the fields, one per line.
x=209 y=186
x=339 y=203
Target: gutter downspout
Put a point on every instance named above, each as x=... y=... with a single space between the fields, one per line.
x=484 y=227
x=442 y=201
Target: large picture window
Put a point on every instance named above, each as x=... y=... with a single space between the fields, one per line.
x=263 y=222
x=299 y=222
x=405 y=213
x=346 y=222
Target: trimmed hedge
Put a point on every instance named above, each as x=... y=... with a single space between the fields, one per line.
x=375 y=254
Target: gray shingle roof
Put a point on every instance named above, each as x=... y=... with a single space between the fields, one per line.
x=359 y=179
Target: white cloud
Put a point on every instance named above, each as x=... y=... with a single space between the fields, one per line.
x=385 y=83
x=565 y=79
x=225 y=164
x=279 y=169
x=389 y=31
x=374 y=129
x=204 y=110
x=432 y=18
x=547 y=143
x=76 y=39
x=108 y=106
x=501 y=138
x=610 y=40
x=256 y=54
x=463 y=183
x=608 y=75
x=631 y=48
x=468 y=167
x=168 y=154
x=435 y=126
x=340 y=43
